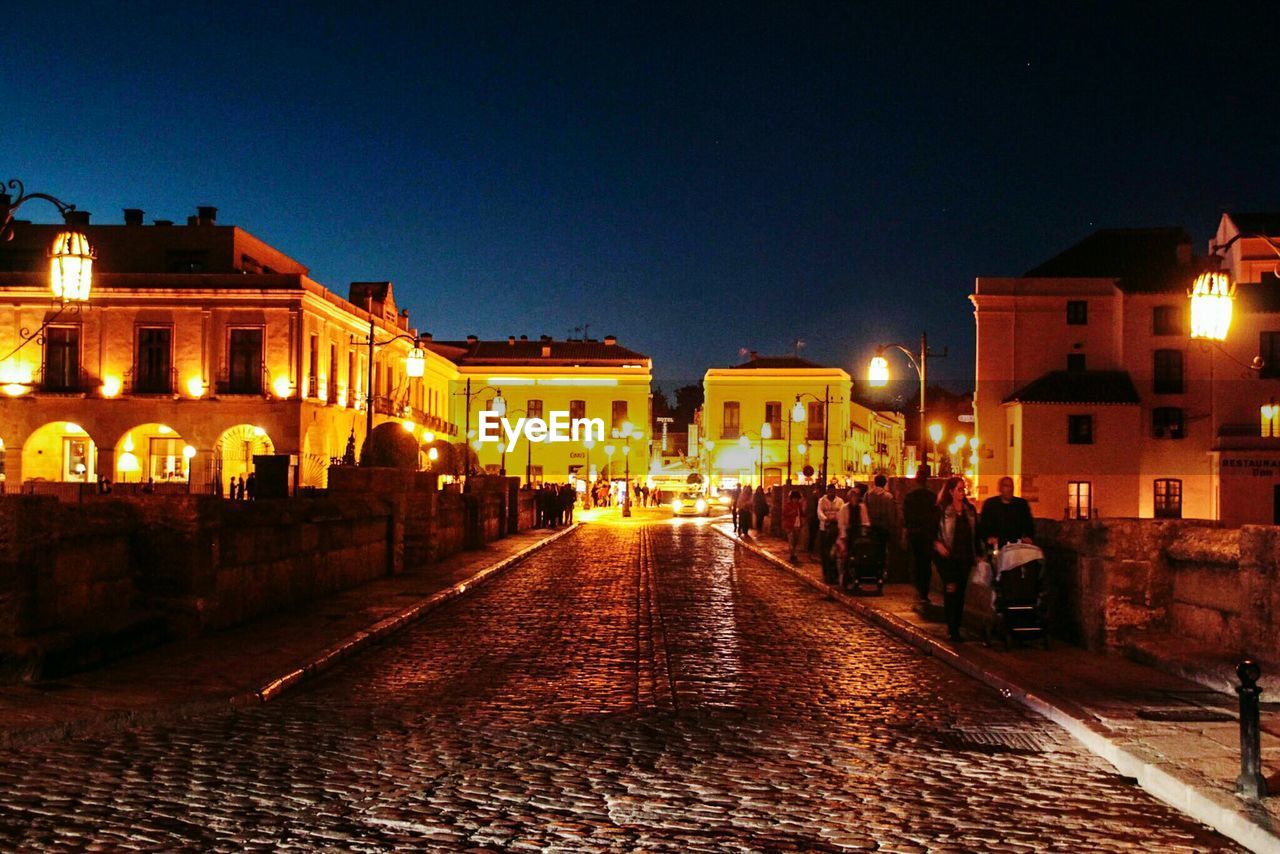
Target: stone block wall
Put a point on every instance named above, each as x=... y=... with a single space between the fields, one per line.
x=1114 y=579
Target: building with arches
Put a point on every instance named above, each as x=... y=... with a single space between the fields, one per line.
x=201 y=346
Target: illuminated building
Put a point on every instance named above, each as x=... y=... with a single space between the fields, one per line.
x=200 y=347
x=587 y=378
x=741 y=400
x=1092 y=395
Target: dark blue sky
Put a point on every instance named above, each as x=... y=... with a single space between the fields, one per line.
x=694 y=178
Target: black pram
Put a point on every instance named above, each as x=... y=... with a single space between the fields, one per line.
x=865 y=563
x=1018 y=601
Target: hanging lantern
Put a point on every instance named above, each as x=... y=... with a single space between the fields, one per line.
x=415 y=364
x=1211 y=299
x=71 y=267
x=878 y=372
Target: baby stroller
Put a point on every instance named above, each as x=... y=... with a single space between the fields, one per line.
x=865 y=567
x=1017 y=590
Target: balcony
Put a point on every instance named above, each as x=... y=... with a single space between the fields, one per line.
x=242 y=383
x=149 y=382
x=63 y=382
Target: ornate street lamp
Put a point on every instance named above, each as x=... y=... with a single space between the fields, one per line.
x=878 y=370
x=626 y=434
x=1211 y=297
x=70 y=258
x=415 y=364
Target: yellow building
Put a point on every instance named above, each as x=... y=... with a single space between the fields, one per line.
x=200 y=347
x=584 y=378
x=748 y=426
x=1092 y=396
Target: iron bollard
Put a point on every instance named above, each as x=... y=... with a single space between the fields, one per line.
x=1250 y=783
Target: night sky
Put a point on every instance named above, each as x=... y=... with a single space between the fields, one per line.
x=694 y=178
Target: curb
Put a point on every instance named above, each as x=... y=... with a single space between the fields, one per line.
x=332 y=655
x=1224 y=813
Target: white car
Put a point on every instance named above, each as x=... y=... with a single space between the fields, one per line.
x=689 y=504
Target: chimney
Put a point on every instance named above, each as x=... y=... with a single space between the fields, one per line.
x=610 y=340
x=207 y=215
x=544 y=337
x=162 y=223
x=524 y=337
x=80 y=218
x=425 y=336
x=754 y=355
x=193 y=220
x=511 y=340
x=471 y=339
x=133 y=216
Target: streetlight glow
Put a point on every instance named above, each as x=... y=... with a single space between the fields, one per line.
x=878 y=371
x=1211 y=301
x=415 y=364
x=766 y=430
x=797 y=411
x=935 y=432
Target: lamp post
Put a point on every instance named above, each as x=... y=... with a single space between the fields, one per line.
x=415 y=365
x=70 y=257
x=626 y=434
x=878 y=371
x=935 y=433
x=528 y=451
x=499 y=406
x=798 y=414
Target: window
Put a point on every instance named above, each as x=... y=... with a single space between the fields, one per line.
x=165 y=459
x=535 y=475
x=331 y=382
x=619 y=414
x=1271 y=421
x=62 y=358
x=1269 y=350
x=1075 y=361
x=1168 y=498
x=1077 y=312
x=351 y=377
x=1011 y=436
x=577 y=409
x=732 y=423
x=1166 y=422
x=1079 y=429
x=1079 y=499
x=244 y=361
x=313 y=367
x=534 y=408
x=773 y=417
x=1166 y=320
x=817 y=421
x=1168 y=372
x=153 y=372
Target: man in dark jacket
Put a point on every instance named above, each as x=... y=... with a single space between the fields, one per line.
x=1006 y=518
x=920 y=518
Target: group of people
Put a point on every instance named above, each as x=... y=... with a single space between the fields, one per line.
x=553 y=505
x=943 y=529
x=243 y=488
x=750 y=509
x=946 y=531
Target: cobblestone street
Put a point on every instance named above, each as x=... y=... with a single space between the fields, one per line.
x=631 y=686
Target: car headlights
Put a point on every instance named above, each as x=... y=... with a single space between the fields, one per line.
x=701 y=506
x=676 y=505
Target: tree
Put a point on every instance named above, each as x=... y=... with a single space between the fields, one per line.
x=688 y=400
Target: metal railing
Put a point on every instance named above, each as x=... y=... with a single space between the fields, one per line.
x=164 y=383
x=252 y=384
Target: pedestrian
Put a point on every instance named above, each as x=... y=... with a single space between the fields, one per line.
x=761 y=506
x=828 y=530
x=231 y=489
x=568 y=498
x=744 y=511
x=251 y=486
x=852 y=522
x=240 y=489
x=920 y=519
x=733 y=507
x=956 y=546
x=793 y=520
x=1006 y=518
x=811 y=518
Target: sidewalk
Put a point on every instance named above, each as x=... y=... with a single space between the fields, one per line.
x=1177 y=738
x=253 y=662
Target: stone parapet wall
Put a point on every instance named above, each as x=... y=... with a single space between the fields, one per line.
x=1112 y=579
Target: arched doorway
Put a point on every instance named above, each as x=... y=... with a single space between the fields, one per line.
x=60 y=452
x=152 y=453
x=234 y=451
x=315 y=457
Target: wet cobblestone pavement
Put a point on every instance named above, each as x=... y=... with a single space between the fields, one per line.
x=629 y=687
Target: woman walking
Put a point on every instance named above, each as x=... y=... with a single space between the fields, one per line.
x=956 y=546
x=761 y=508
x=744 y=511
x=793 y=520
